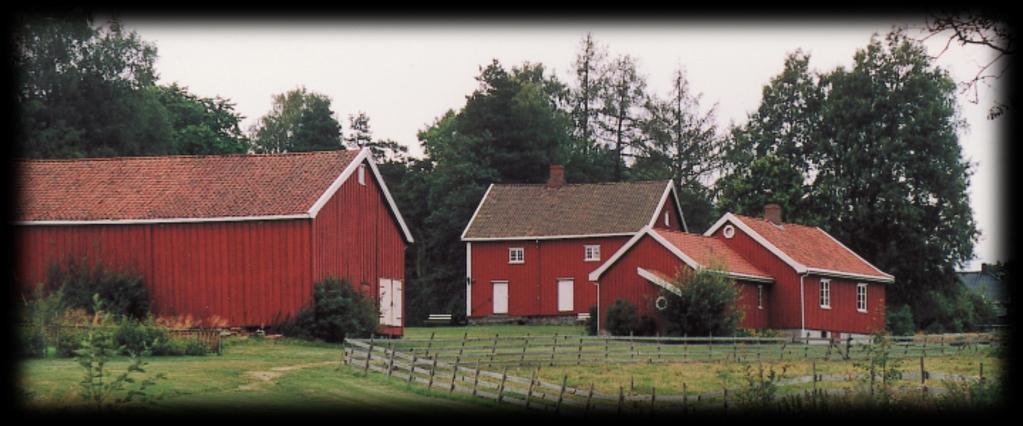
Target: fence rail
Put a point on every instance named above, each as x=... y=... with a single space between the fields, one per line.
x=467 y=376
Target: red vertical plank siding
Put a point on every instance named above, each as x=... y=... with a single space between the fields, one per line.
x=356 y=237
x=533 y=285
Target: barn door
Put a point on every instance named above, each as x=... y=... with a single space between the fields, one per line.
x=566 y=295
x=386 y=310
x=500 y=297
x=396 y=300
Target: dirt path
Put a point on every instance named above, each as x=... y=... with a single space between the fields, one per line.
x=262 y=378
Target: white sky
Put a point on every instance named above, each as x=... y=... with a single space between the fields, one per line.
x=404 y=75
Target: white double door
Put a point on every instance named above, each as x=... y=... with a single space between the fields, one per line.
x=566 y=295
x=390 y=302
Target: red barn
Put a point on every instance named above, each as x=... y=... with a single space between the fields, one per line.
x=529 y=248
x=791 y=277
x=240 y=237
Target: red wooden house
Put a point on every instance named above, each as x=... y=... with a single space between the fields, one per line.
x=794 y=278
x=529 y=248
x=240 y=237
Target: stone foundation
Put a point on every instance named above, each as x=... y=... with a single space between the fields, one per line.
x=528 y=320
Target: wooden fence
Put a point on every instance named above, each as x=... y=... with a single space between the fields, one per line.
x=210 y=337
x=532 y=392
x=559 y=350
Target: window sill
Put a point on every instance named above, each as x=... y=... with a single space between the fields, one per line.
x=591 y=260
x=517 y=263
x=862 y=311
x=826 y=307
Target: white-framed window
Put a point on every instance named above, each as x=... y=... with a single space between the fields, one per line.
x=516 y=255
x=861 y=297
x=825 y=294
x=362 y=174
x=729 y=231
x=760 y=296
x=666 y=222
x=592 y=253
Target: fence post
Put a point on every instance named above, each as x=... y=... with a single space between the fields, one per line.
x=685 y=346
x=710 y=346
x=525 y=344
x=464 y=336
x=390 y=362
x=726 y=397
x=923 y=373
x=529 y=392
x=500 y=389
x=454 y=373
x=589 y=398
x=814 y=367
x=621 y=398
x=685 y=396
x=632 y=349
x=430 y=343
x=493 y=351
x=433 y=371
x=605 y=349
x=579 y=353
x=369 y=354
x=941 y=344
x=476 y=378
x=806 y=347
x=848 y=343
x=554 y=348
x=412 y=368
x=561 y=396
x=653 y=398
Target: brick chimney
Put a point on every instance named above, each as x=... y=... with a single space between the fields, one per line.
x=772 y=213
x=557 y=176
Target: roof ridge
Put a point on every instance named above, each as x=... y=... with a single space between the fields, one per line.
x=187 y=156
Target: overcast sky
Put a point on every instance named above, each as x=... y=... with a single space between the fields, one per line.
x=404 y=75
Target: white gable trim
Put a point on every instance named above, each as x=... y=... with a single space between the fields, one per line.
x=653 y=278
x=473 y=219
x=595 y=275
x=668 y=189
x=840 y=274
x=884 y=275
x=365 y=154
x=728 y=217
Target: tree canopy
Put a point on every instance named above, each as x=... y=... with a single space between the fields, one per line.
x=299 y=120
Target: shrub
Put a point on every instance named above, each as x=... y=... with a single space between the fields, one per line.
x=760 y=390
x=338 y=310
x=705 y=304
x=591 y=322
x=99 y=385
x=140 y=337
x=621 y=318
x=122 y=293
x=32 y=342
x=899 y=321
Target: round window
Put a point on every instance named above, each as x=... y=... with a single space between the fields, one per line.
x=661 y=303
x=729 y=231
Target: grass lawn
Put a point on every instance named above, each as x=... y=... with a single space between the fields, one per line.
x=284 y=376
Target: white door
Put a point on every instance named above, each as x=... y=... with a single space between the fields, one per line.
x=566 y=295
x=396 y=300
x=500 y=297
x=386 y=312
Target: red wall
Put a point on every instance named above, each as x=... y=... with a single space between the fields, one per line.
x=533 y=285
x=785 y=301
x=249 y=273
x=356 y=236
x=621 y=281
x=674 y=221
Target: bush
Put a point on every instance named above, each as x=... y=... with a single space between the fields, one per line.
x=122 y=293
x=621 y=318
x=32 y=342
x=591 y=322
x=899 y=321
x=338 y=310
x=141 y=337
x=705 y=304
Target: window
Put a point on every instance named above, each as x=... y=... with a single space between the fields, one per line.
x=861 y=297
x=592 y=254
x=729 y=231
x=666 y=223
x=760 y=296
x=362 y=174
x=826 y=294
x=516 y=255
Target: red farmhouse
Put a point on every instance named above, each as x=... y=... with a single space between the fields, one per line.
x=241 y=237
x=529 y=248
x=792 y=277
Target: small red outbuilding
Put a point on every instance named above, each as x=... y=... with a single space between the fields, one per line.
x=239 y=237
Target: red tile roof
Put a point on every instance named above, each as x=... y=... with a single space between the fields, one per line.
x=812 y=247
x=710 y=252
x=139 y=188
x=509 y=211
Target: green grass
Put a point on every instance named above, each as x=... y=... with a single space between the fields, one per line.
x=283 y=376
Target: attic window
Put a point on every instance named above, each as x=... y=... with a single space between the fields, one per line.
x=666 y=223
x=729 y=231
x=592 y=253
x=362 y=174
x=516 y=255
